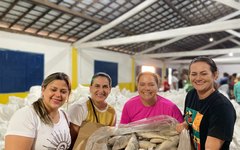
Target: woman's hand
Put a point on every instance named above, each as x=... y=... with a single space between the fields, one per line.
x=181 y=126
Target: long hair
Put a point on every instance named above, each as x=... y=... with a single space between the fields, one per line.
x=39 y=106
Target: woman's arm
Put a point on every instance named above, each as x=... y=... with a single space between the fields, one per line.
x=13 y=142
x=213 y=143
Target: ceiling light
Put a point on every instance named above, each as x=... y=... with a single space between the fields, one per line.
x=148 y=69
x=230 y=54
x=211 y=39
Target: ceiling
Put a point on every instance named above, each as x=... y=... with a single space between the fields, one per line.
x=170 y=30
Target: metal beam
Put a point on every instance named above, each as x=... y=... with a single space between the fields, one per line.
x=116 y=21
x=235 y=41
x=161 y=45
x=208 y=45
x=193 y=53
x=185 y=31
x=230 y=3
x=229 y=60
x=182 y=37
x=233 y=33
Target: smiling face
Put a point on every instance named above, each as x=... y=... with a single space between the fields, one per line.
x=147 y=89
x=55 y=94
x=202 y=78
x=100 y=89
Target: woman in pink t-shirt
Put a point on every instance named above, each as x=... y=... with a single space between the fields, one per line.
x=148 y=103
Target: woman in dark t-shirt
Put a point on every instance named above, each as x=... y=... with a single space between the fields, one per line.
x=208 y=114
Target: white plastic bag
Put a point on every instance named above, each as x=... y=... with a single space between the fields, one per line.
x=163 y=125
x=185 y=141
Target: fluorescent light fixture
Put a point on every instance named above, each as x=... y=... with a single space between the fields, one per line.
x=170 y=75
x=230 y=54
x=148 y=69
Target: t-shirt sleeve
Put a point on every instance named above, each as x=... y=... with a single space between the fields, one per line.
x=125 y=117
x=177 y=114
x=186 y=101
x=23 y=123
x=222 y=121
x=77 y=113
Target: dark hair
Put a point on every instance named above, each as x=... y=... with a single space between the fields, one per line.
x=209 y=61
x=156 y=77
x=39 y=106
x=102 y=74
x=225 y=74
x=234 y=75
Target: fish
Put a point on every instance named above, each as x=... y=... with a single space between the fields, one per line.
x=169 y=133
x=112 y=140
x=146 y=145
x=121 y=142
x=152 y=135
x=168 y=144
x=100 y=146
x=157 y=141
x=133 y=143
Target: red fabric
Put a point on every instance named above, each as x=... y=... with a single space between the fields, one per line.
x=166 y=86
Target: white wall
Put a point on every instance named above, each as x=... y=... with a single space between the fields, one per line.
x=57 y=55
x=148 y=62
x=86 y=59
x=229 y=68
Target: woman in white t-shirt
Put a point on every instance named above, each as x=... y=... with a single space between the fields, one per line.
x=42 y=125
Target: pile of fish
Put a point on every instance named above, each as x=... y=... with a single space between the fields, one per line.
x=154 y=134
x=143 y=141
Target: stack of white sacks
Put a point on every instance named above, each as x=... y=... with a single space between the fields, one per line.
x=116 y=98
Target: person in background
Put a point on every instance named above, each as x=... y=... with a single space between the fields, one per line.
x=232 y=80
x=95 y=109
x=148 y=103
x=224 y=79
x=186 y=82
x=42 y=125
x=208 y=114
x=175 y=80
x=236 y=89
x=223 y=85
x=166 y=85
x=183 y=81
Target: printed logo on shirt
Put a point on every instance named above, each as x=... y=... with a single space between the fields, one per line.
x=59 y=141
x=194 y=118
x=197 y=121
